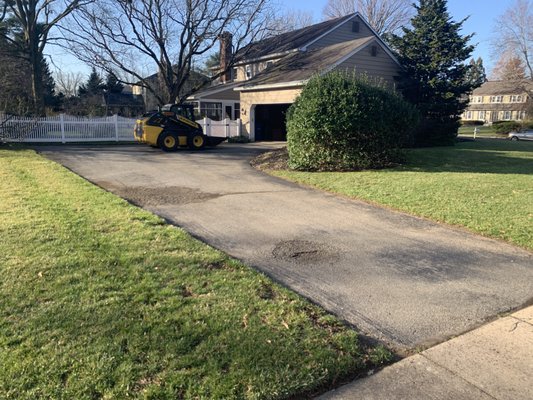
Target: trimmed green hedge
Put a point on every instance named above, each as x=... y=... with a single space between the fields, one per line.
x=504 y=127
x=472 y=123
x=343 y=122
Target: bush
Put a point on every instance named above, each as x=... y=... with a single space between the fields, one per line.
x=343 y=122
x=472 y=123
x=527 y=124
x=504 y=127
x=436 y=132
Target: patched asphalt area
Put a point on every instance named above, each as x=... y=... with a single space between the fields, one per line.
x=402 y=280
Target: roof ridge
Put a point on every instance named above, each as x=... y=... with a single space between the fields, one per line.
x=288 y=41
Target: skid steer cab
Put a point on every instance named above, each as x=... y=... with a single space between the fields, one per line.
x=171 y=127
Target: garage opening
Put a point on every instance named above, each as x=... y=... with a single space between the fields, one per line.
x=270 y=122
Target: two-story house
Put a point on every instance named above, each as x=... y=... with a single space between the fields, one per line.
x=500 y=101
x=268 y=75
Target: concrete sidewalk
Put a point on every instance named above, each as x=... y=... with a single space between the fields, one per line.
x=492 y=362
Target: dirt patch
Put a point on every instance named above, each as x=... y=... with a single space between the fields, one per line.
x=304 y=251
x=146 y=196
x=272 y=160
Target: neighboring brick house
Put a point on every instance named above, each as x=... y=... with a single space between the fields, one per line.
x=268 y=75
x=500 y=101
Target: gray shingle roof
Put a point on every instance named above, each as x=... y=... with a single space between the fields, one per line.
x=288 y=41
x=303 y=65
x=503 y=87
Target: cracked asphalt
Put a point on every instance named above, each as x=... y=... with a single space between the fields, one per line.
x=399 y=279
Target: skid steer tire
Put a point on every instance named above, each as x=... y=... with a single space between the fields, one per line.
x=168 y=141
x=196 y=141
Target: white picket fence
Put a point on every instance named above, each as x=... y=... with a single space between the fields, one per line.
x=65 y=128
x=225 y=128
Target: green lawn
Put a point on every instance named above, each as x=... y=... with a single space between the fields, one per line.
x=100 y=299
x=485 y=186
x=482 y=131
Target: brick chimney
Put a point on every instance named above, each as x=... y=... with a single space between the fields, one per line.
x=226 y=49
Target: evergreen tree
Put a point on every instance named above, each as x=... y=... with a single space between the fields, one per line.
x=91 y=94
x=433 y=54
x=15 y=87
x=477 y=75
x=93 y=86
x=112 y=85
x=213 y=61
x=49 y=92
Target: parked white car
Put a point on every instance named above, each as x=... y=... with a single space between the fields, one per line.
x=524 y=135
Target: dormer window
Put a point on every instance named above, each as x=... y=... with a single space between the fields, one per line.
x=355 y=26
x=248 y=71
x=269 y=64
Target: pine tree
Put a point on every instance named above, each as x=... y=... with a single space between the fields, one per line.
x=51 y=99
x=477 y=75
x=93 y=86
x=112 y=85
x=433 y=55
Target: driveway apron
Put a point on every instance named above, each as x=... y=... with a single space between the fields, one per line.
x=400 y=279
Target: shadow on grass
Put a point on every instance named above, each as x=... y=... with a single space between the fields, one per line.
x=483 y=156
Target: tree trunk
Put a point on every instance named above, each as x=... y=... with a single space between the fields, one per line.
x=37 y=85
x=36 y=75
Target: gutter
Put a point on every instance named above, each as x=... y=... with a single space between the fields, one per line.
x=272 y=86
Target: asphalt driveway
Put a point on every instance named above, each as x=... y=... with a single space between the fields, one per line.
x=397 y=278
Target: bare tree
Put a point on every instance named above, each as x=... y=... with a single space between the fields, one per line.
x=130 y=37
x=291 y=20
x=514 y=33
x=384 y=16
x=35 y=19
x=68 y=82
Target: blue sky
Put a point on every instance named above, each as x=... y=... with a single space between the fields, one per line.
x=481 y=13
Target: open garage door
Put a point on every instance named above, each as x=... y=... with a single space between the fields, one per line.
x=270 y=122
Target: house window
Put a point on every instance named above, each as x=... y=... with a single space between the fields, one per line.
x=196 y=106
x=481 y=116
x=516 y=99
x=211 y=110
x=248 y=71
x=234 y=74
x=521 y=115
x=507 y=115
x=237 y=110
x=269 y=64
x=496 y=99
x=469 y=115
x=478 y=99
x=227 y=113
x=374 y=51
x=355 y=26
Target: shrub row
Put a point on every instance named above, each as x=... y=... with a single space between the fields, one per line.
x=344 y=122
x=504 y=127
x=472 y=123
